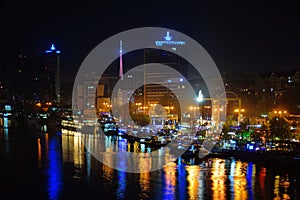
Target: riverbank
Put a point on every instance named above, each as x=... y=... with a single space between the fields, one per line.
x=285 y=160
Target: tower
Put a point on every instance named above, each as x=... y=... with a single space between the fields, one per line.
x=153 y=93
x=49 y=76
x=121 y=61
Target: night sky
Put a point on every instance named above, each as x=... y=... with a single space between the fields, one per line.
x=240 y=37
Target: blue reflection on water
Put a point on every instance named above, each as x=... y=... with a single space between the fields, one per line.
x=122 y=165
x=249 y=181
x=88 y=166
x=231 y=177
x=168 y=191
x=181 y=179
x=6 y=143
x=55 y=168
x=121 y=192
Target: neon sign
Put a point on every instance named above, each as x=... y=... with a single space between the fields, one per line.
x=168 y=41
x=52 y=49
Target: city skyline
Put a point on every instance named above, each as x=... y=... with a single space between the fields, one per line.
x=150 y=114
x=240 y=37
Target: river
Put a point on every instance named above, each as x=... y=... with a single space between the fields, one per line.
x=56 y=165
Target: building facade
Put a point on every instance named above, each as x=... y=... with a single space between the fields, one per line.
x=48 y=77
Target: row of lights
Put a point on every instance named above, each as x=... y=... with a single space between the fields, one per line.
x=39 y=104
x=239 y=110
x=107 y=105
x=280 y=112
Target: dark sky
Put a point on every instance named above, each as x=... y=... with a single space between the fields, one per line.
x=241 y=36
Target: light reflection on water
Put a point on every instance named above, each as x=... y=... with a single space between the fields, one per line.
x=169 y=181
x=55 y=181
x=70 y=170
x=218 y=178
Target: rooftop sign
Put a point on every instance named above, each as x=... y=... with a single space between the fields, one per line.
x=168 y=41
x=52 y=49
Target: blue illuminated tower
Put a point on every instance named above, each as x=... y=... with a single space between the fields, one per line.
x=154 y=92
x=50 y=76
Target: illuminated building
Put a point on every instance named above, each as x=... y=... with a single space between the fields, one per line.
x=154 y=92
x=85 y=102
x=49 y=76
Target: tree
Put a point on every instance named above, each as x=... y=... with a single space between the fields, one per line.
x=226 y=128
x=243 y=125
x=280 y=128
x=141 y=119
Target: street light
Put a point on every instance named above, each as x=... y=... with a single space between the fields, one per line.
x=199 y=100
x=239 y=111
x=280 y=113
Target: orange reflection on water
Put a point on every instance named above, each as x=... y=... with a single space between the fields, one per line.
x=70 y=146
x=145 y=162
x=240 y=182
x=145 y=184
x=218 y=178
x=39 y=153
x=281 y=185
x=78 y=150
x=193 y=181
x=170 y=180
x=108 y=173
x=46 y=146
x=276 y=188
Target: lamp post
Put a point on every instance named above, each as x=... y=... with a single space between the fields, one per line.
x=239 y=111
x=199 y=100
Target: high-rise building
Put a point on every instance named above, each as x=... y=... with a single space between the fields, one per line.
x=49 y=76
x=156 y=92
x=20 y=79
x=93 y=95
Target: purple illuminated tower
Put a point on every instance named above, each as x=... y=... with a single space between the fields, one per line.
x=121 y=61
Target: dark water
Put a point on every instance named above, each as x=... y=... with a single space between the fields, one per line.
x=55 y=165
